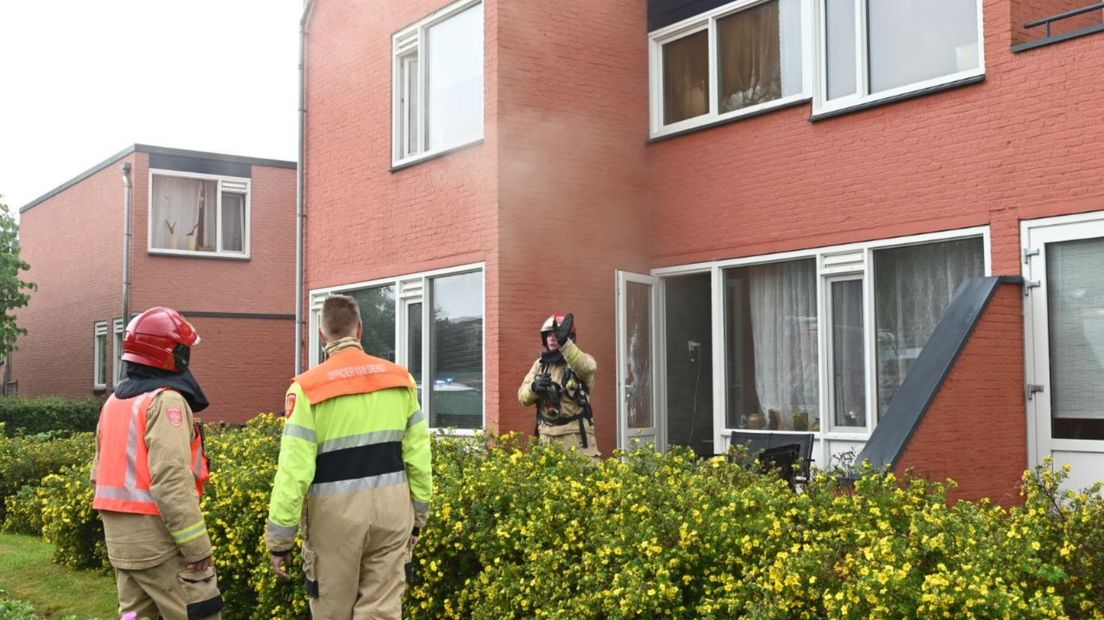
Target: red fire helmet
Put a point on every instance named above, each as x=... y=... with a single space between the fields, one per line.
x=154 y=338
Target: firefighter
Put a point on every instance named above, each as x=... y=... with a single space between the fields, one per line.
x=149 y=471
x=560 y=383
x=355 y=451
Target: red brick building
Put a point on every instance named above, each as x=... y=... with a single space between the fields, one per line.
x=212 y=236
x=759 y=212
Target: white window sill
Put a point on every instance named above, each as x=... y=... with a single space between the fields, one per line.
x=455 y=432
x=711 y=120
x=845 y=105
x=190 y=254
x=400 y=164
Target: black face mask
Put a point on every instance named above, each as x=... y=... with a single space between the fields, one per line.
x=141 y=379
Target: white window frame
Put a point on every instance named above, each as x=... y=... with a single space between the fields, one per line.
x=832 y=261
x=862 y=96
x=117 y=352
x=99 y=373
x=410 y=288
x=404 y=44
x=225 y=183
x=708 y=21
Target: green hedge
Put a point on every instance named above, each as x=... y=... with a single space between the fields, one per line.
x=49 y=414
x=28 y=459
x=530 y=531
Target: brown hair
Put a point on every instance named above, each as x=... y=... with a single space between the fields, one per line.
x=340 y=316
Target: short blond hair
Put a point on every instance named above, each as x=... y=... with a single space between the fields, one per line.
x=340 y=317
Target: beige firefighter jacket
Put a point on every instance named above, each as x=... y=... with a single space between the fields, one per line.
x=138 y=542
x=584 y=367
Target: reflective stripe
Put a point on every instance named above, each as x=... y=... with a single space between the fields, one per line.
x=302 y=432
x=356 y=441
x=418 y=416
x=132 y=443
x=359 y=484
x=189 y=533
x=281 y=531
x=420 y=506
x=123 y=494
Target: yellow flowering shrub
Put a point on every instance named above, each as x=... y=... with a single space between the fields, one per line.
x=531 y=531
x=26 y=460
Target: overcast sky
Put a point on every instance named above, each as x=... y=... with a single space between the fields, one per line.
x=83 y=79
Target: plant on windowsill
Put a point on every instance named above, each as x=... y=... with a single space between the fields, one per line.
x=192 y=237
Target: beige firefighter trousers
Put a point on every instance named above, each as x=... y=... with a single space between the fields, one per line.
x=165 y=590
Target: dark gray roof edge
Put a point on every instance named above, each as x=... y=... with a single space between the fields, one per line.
x=892 y=435
x=146 y=148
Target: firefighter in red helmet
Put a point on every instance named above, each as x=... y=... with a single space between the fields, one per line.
x=560 y=383
x=149 y=472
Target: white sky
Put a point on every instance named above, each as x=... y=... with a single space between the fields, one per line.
x=81 y=80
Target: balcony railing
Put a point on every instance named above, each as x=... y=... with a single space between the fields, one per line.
x=1065 y=36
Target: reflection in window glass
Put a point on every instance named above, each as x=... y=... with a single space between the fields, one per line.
x=686 y=78
x=915 y=40
x=771 y=346
x=414 y=344
x=377 y=311
x=840 y=47
x=913 y=286
x=638 y=370
x=456 y=351
x=848 y=367
x=759 y=51
x=233 y=221
x=454 y=79
x=1075 y=317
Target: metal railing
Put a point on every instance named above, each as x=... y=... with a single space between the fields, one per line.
x=1059 y=17
x=1053 y=38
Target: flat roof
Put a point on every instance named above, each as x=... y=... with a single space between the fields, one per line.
x=161 y=150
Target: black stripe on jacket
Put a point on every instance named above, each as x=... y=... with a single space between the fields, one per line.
x=359 y=462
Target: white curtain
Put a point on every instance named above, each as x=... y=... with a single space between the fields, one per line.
x=1075 y=314
x=913 y=286
x=178 y=205
x=784 y=334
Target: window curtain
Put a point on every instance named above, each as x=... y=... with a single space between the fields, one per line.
x=686 y=78
x=750 y=57
x=784 y=334
x=913 y=286
x=848 y=363
x=1075 y=315
x=233 y=216
x=182 y=207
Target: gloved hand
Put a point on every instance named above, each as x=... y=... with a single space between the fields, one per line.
x=563 y=330
x=541 y=384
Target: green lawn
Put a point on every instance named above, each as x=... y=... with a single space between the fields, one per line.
x=27 y=574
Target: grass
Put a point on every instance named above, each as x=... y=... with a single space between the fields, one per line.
x=27 y=574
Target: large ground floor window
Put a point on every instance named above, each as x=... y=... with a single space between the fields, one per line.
x=431 y=323
x=812 y=341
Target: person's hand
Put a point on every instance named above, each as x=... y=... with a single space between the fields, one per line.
x=563 y=330
x=279 y=562
x=541 y=384
x=410 y=544
x=201 y=565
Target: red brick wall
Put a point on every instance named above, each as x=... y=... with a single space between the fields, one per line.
x=573 y=124
x=264 y=283
x=1021 y=144
x=1024 y=11
x=975 y=431
x=243 y=365
x=74 y=244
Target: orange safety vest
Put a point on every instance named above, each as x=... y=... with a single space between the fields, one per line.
x=123 y=476
x=351 y=371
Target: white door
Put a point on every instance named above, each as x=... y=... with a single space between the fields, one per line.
x=1064 y=340
x=637 y=417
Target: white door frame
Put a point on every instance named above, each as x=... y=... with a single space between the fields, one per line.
x=1034 y=235
x=626 y=435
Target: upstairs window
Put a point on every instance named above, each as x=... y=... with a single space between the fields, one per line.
x=736 y=60
x=119 y=372
x=99 y=355
x=878 y=49
x=438 y=83
x=193 y=214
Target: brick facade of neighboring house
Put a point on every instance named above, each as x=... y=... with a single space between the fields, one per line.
x=728 y=269
x=239 y=297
